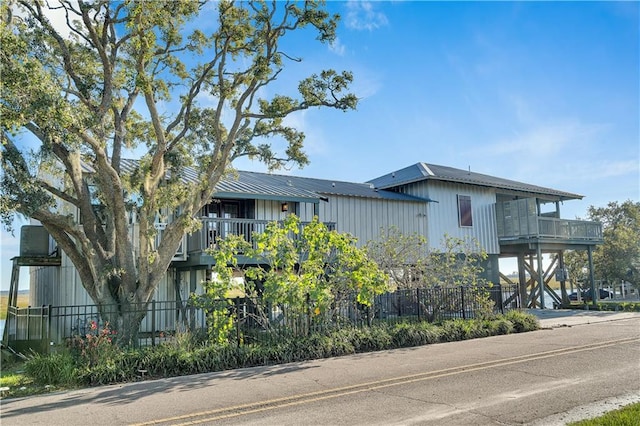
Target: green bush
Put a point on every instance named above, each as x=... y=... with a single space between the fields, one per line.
x=609 y=306
x=622 y=306
x=414 y=334
x=502 y=326
x=184 y=357
x=53 y=369
x=522 y=321
x=459 y=329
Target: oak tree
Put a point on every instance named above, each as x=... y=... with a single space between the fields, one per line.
x=177 y=84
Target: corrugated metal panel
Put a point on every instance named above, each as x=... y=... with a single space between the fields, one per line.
x=254 y=185
x=269 y=210
x=364 y=218
x=443 y=215
x=272 y=210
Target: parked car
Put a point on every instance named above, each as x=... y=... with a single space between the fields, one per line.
x=586 y=295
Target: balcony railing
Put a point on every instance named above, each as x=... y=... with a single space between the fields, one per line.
x=518 y=219
x=569 y=229
x=214 y=229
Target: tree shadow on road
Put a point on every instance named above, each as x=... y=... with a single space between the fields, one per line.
x=126 y=393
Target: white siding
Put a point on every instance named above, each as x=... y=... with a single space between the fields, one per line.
x=272 y=210
x=443 y=215
x=364 y=217
x=61 y=286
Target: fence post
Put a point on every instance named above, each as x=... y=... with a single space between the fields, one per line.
x=28 y=322
x=464 y=313
x=418 y=302
x=501 y=301
x=153 y=322
x=43 y=340
x=49 y=328
x=238 y=339
x=308 y=330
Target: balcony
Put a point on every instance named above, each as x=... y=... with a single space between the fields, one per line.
x=518 y=220
x=569 y=229
x=213 y=229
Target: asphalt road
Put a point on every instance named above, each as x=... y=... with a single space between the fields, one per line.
x=575 y=368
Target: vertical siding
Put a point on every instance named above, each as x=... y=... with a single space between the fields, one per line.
x=305 y=211
x=272 y=210
x=443 y=215
x=364 y=217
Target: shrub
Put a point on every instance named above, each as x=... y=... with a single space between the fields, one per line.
x=503 y=326
x=183 y=355
x=407 y=335
x=96 y=347
x=522 y=321
x=53 y=369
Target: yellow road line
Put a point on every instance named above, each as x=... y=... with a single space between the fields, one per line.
x=256 y=407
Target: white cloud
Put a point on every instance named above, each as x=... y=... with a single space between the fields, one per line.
x=604 y=169
x=337 y=47
x=56 y=15
x=361 y=15
x=366 y=85
x=545 y=140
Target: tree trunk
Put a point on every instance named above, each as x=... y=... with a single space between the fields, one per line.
x=124 y=320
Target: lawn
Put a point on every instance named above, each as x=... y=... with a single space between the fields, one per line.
x=625 y=416
x=23 y=302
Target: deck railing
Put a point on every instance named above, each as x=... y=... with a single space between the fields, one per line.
x=519 y=219
x=569 y=229
x=545 y=227
x=214 y=229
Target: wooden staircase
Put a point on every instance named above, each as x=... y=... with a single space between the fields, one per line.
x=9 y=335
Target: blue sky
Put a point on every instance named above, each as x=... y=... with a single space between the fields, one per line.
x=545 y=93
x=542 y=92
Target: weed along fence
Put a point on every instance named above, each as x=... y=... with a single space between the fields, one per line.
x=250 y=320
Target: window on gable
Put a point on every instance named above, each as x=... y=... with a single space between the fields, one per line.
x=464 y=210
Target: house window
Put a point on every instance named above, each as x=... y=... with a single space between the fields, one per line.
x=464 y=210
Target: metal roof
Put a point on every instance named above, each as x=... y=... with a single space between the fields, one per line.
x=267 y=186
x=328 y=187
x=423 y=171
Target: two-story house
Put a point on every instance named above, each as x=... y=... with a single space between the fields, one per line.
x=507 y=219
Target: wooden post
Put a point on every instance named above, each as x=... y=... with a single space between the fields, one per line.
x=563 y=281
x=522 y=281
x=540 y=275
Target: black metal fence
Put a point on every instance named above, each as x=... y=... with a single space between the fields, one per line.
x=250 y=320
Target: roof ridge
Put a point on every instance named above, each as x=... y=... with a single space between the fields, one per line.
x=304 y=177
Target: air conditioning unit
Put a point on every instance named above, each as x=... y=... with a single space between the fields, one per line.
x=34 y=241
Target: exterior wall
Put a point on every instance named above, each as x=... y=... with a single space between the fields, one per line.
x=272 y=210
x=59 y=286
x=364 y=217
x=443 y=215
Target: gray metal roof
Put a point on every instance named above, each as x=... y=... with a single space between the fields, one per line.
x=423 y=171
x=328 y=187
x=267 y=186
